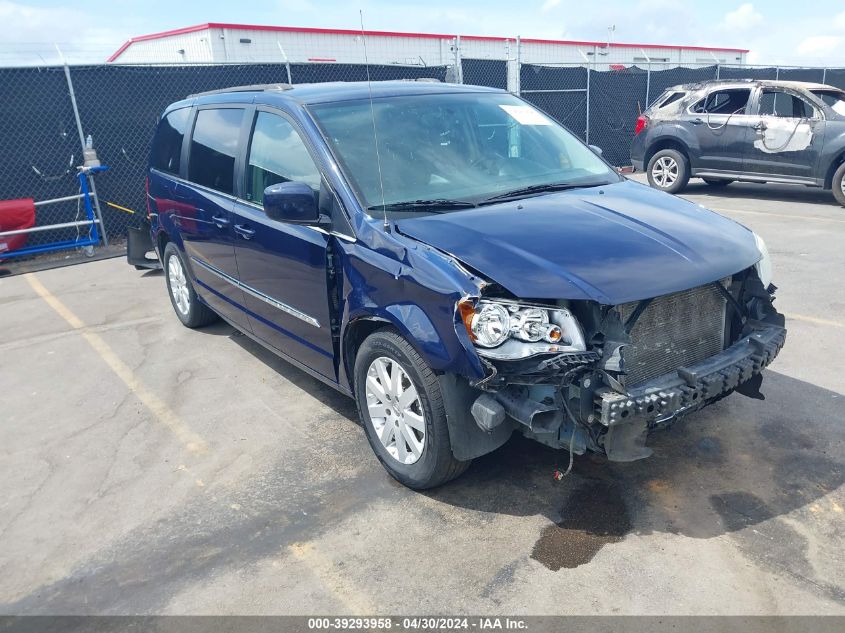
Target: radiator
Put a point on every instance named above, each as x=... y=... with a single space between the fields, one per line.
x=674 y=331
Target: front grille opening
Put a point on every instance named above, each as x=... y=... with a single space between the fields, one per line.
x=675 y=330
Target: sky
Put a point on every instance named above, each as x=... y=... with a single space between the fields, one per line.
x=775 y=32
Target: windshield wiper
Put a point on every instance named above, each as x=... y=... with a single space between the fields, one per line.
x=532 y=189
x=438 y=204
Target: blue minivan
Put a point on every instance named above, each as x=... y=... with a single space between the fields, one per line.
x=459 y=263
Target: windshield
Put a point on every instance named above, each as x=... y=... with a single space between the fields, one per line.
x=834 y=98
x=454 y=148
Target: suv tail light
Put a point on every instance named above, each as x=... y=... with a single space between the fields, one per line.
x=642 y=123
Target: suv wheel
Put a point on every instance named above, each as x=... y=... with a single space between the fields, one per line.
x=718 y=182
x=668 y=170
x=191 y=312
x=839 y=185
x=401 y=408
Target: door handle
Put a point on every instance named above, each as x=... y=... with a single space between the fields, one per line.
x=220 y=221
x=697 y=121
x=759 y=126
x=244 y=231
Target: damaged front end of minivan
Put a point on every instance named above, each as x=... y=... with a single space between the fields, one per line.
x=580 y=375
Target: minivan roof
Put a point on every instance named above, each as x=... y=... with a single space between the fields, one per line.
x=307 y=94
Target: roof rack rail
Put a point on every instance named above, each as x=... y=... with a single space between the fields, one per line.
x=252 y=88
x=427 y=80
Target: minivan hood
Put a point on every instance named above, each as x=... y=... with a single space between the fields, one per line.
x=612 y=244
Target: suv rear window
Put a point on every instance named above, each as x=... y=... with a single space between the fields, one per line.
x=213 y=147
x=732 y=101
x=669 y=98
x=167 y=143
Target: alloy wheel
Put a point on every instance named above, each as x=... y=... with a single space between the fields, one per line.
x=395 y=410
x=665 y=171
x=178 y=285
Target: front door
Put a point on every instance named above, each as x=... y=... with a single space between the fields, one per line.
x=786 y=135
x=205 y=203
x=719 y=122
x=283 y=266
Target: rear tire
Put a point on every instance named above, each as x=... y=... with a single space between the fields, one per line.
x=187 y=306
x=718 y=182
x=401 y=408
x=839 y=184
x=668 y=170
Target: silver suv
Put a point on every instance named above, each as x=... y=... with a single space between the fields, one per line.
x=749 y=130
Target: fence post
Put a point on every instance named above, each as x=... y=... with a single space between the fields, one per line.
x=777 y=73
x=647 y=77
x=519 y=65
x=589 y=64
x=82 y=146
x=287 y=62
x=459 y=71
x=824 y=75
x=587 y=131
x=717 y=72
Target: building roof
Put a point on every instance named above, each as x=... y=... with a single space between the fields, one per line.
x=295 y=29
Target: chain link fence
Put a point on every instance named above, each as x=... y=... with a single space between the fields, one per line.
x=119 y=106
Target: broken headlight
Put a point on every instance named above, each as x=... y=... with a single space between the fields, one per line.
x=510 y=331
x=764 y=266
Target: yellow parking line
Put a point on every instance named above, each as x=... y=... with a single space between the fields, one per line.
x=326 y=572
x=163 y=413
x=777 y=215
x=816 y=320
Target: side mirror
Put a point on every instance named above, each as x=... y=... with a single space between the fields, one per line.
x=596 y=149
x=294 y=202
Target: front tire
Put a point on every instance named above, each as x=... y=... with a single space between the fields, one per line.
x=401 y=408
x=668 y=170
x=839 y=184
x=187 y=306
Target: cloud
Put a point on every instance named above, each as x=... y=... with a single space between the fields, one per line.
x=742 y=18
x=32 y=32
x=819 y=44
x=549 y=4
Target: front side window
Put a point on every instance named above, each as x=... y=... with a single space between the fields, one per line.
x=167 y=144
x=464 y=147
x=277 y=154
x=784 y=104
x=731 y=101
x=214 y=145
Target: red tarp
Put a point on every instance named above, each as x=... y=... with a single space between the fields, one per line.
x=14 y=215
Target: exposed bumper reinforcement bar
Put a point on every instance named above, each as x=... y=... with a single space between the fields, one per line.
x=667 y=396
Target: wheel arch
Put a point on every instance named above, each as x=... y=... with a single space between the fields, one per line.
x=666 y=142
x=834 y=165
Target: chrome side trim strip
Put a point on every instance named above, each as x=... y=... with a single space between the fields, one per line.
x=258 y=294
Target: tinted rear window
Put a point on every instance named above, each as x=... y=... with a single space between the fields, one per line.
x=167 y=144
x=213 y=148
x=668 y=98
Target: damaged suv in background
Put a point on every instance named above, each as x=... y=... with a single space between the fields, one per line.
x=457 y=262
x=788 y=132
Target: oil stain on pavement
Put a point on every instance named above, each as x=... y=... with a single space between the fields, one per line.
x=595 y=515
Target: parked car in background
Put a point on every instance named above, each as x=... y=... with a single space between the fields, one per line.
x=475 y=271
x=755 y=131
